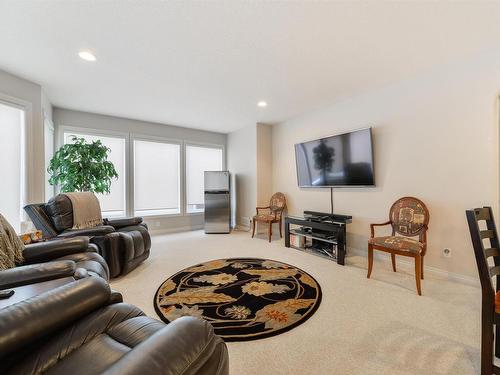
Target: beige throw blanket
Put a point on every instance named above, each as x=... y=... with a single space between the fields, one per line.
x=86 y=210
x=11 y=246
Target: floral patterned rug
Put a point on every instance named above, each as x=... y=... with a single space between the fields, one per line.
x=243 y=298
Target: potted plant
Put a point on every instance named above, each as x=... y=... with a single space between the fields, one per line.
x=82 y=166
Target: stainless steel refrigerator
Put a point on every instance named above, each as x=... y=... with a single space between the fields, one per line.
x=217 y=202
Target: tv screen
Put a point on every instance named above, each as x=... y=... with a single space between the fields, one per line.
x=340 y=160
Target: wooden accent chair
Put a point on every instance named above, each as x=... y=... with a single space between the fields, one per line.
x=490 y=315
x=409 y=217
x=274 y=213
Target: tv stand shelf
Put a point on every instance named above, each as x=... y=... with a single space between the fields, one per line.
x=323 y=234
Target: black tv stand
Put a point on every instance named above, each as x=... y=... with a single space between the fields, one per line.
x=321 y=233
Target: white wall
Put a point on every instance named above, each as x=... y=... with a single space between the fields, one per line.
x=435 y=137
x=264 y=164
x=66 y=117
x=242 y=163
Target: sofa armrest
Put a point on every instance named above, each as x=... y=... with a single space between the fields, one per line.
x=100 y=230
x=120 y=223
x=30 y=320
x=186 y=346
x=36 y=273
x=49 y=250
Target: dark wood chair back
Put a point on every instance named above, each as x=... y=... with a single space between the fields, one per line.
x=482 y=252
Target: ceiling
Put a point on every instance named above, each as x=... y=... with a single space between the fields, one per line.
x=206 y=64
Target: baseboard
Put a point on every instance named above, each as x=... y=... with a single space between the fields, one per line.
x=408 y=265
x=176 y=229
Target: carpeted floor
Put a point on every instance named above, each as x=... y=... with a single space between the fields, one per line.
x=376 y=326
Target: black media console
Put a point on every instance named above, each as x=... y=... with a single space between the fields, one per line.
x=318 y=233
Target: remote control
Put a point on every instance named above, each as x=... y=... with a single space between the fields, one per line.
x=6 y=293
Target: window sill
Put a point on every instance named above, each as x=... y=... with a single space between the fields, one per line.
x=157 y=216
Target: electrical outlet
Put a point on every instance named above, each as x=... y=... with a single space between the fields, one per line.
x=447 y=252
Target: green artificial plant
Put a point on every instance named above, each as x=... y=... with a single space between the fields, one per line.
x=82 y=166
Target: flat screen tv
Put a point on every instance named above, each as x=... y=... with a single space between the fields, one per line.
x=338 y=161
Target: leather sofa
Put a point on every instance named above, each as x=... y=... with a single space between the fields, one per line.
x=123 y=243
x=51 y=259
x=74 y=329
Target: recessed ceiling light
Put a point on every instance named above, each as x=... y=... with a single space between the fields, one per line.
x=262 y=104
x=86 y=55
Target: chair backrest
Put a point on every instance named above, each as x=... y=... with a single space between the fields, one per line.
x=482 y=253
x=277 y=203
x=409 y=217
x=52 y=217
x=40 y=219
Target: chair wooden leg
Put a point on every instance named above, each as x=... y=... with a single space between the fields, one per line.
x=281 y=230
x=270 y=231
x=418 y=270
x=393 y=259
x=253 y=227
x=497 y=340
x=422 y=268
x=370 y=261
x=487 y=341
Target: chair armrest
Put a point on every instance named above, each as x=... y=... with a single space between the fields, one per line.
x=180 y=347
x=372 y=227
x=49 y=250
x=36 y=273
x=30 y=320
x=100 y=230
x=115 y=297
x=120 y=223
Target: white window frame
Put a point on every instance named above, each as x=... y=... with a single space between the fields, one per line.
x=151 y=138
x=27 y=182
x=184 y=151
x=48 y=124
x=103 y=133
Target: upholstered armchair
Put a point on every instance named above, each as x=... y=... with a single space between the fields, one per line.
x=271 y=214
x=123 y=243
x=54 y=259
x=78 y=329
x=409 y=218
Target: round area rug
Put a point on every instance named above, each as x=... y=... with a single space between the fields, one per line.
x=243 y=298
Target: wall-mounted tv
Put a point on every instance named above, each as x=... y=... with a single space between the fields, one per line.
x=338 y=161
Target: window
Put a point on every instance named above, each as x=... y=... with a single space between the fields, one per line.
x=198 y=160
x=114 y=203
x=12 y=167
x=156 y=178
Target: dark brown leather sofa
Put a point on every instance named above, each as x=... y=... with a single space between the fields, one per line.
x=123 y=243
x=75 y=330
x=48 y=260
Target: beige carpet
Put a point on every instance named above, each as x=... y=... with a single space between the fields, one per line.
x=376 y=326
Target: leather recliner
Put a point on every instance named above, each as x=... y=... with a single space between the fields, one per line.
x=75 y=330
x=123 y=243
x=52 y=259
